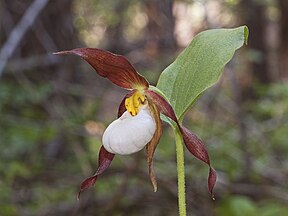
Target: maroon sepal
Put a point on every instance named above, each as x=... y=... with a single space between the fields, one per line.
x=152 y=145
x=192 y=142
x=104 y=161
x=114 y=67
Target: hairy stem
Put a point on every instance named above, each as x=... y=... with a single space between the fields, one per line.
x=181 y=173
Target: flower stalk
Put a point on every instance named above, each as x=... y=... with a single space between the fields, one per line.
x=180 y=173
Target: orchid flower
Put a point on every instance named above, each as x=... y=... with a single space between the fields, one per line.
x=138 y=124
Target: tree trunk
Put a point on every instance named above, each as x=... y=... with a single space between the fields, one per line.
x=254 y=17
x=283 y=52
x=161 y=26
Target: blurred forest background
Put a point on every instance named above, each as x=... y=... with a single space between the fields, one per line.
x=53 y=110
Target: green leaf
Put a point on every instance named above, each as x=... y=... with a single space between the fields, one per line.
x=199 y=66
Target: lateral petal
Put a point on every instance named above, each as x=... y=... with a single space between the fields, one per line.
x=197 y=148
x=163 y=106
x=122 y=107
x=192 y=142
x=114 y=67
x=105 y=159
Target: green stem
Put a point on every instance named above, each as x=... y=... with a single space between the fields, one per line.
x=181 y=173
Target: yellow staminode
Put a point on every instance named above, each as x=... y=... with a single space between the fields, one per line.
x=134 y=102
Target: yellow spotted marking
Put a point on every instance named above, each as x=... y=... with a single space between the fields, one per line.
x=134 y=102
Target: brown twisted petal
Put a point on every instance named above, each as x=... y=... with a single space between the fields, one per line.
x=151 y=146
x=192 y=142
x=105 y=159
x=122 y=107
x=163 y=106
x=197 y=148
x=114 y=67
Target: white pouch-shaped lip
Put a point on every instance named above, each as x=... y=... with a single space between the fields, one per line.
x=129 y=134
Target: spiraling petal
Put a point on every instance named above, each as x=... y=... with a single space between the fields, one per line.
x=114 y=67
x=122 y=107
x=197 y=148
x=129 y=134
x=151 y=146
x=191 y=141
x=163 y=106
x=105 y=159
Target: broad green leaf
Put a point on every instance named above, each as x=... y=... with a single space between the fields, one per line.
x=199 y=66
